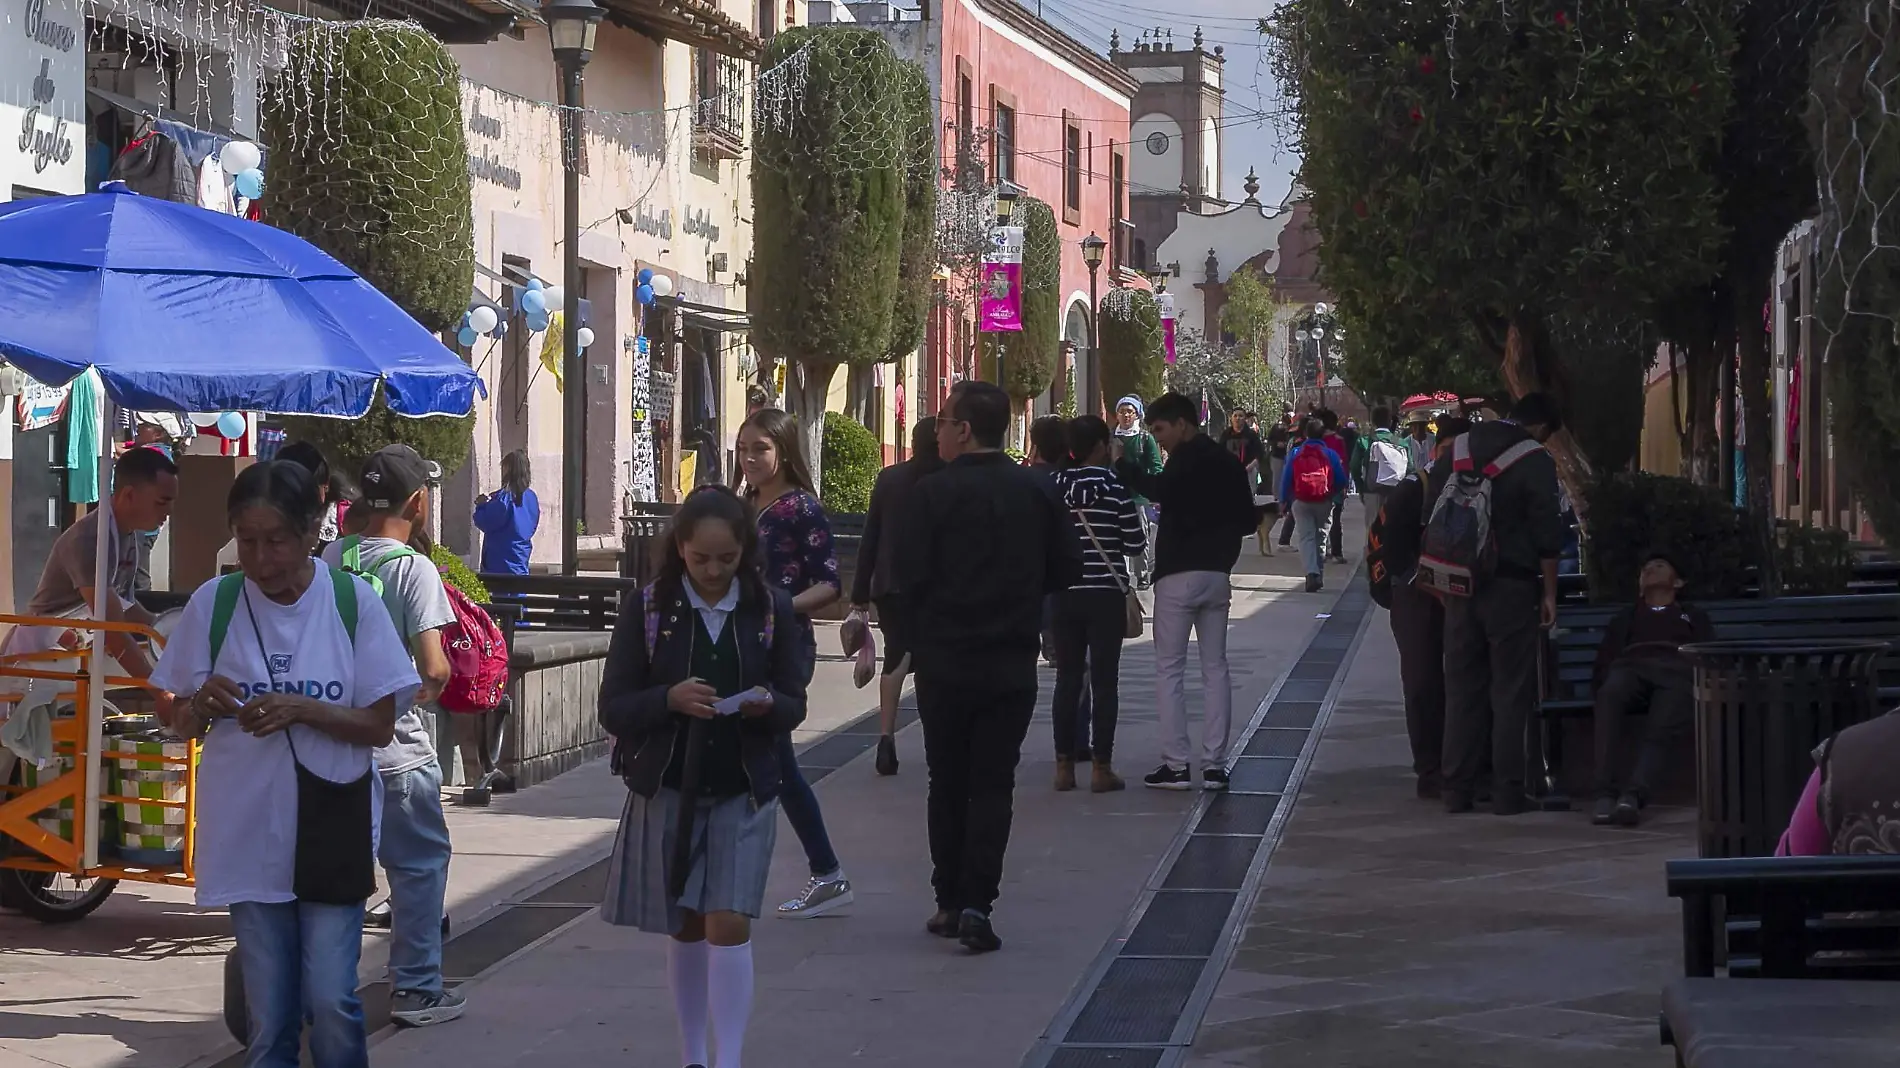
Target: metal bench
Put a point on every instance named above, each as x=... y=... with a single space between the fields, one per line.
x=561 y=602
x=1569 y=656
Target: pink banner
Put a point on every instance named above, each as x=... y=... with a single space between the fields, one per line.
x=1001 y=303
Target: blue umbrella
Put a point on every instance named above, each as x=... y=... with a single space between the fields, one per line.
x=183 y=309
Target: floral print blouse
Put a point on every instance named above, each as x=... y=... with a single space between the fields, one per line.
x=795 y=537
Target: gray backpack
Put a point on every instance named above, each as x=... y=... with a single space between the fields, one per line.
x=1458 y=550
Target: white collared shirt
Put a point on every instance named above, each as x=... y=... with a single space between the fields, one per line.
x=714 y=615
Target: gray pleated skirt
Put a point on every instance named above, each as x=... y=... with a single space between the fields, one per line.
x=731 y=857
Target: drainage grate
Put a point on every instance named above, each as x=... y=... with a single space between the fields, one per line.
x=1276 y=741
x=1138 y=1001
x=1180 y=923
x=1106 y=1058
x=1232 y=813
x=1313 y=690
x=1299 y=714
x=1211 y=862
x=1261 y=775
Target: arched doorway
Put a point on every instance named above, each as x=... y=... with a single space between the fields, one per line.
x=1075 y=331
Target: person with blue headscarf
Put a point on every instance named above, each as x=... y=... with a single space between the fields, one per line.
x=1138 y=447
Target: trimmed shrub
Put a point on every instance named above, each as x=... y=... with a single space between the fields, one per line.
x=459 y=575
x=917 y=257
x=1132 y=358
x=1634 y=514
x=852 y=461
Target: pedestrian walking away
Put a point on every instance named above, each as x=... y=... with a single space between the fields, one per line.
x=1092 y=616
x=877 y=584
x=1336 y=440
x=702 y=681
x=1491 y=634
x=795 y=547
x=414 y=847
x=1139 y=448
x=987 y=540
x=291 y=674
x=1206 y=510
x=1417 y=617
x=1379 y=462
x=1313 y=480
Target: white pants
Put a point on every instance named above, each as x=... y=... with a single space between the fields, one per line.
x=1197 y=601
x=1374 y=500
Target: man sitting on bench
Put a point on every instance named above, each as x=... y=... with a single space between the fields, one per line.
x=1640 y=666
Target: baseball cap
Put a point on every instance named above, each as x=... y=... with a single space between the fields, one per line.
x=391 y=476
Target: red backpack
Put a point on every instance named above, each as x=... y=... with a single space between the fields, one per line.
x=1312 y=474
x=478 y=658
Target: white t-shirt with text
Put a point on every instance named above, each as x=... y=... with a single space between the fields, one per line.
x=247 y=786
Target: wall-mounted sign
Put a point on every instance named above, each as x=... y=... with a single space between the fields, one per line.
x=699 y=224
x=660 y=226
x=42 y=95
x=485 y=133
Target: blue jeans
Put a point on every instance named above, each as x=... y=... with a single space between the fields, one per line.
x=299 y=961
x=801 y=807
x=415 y=856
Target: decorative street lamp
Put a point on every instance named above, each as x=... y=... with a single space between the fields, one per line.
x=572 y=25
x=1092 y=248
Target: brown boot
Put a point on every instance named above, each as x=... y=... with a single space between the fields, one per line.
x=1065 y=773
x=1105 y=781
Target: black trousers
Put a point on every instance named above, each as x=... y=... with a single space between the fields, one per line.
x=1090 y=626
x=1418 y=626
x=975 y=712
x=1667 y=691
x=1490 y=684
x=1333 y=540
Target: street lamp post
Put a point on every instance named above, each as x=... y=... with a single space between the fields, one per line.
x=1092 y=249
x=572 y=25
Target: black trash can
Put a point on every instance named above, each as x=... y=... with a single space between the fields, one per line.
x=639 y=530
x=1762 y=707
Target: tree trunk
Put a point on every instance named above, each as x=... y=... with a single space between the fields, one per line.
x=1756 y=388
x=807 y=388
x=1528 y=368
x=860 y=392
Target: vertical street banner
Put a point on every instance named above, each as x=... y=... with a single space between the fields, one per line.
x=1166 y=300
x=1001 y=301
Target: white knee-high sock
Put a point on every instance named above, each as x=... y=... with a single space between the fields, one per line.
x=730 y=973
x=686 y=971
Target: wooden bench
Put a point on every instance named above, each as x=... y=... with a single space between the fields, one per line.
x=1806 y=949
x=561 y=602
x=1570 y=650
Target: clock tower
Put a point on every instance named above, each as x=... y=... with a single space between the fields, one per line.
x=1175 y=134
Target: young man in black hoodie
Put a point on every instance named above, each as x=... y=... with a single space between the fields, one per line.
x=1206 y=510
x=984 y=542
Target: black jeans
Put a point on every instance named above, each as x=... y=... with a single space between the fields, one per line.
x=1333 y=540
x=1090 y=626
x=1490 y=684
x=1418 y=626
x=1667 y=691
x=976 y=713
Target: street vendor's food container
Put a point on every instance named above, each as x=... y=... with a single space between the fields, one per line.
x=57 y=820
x=152 y=835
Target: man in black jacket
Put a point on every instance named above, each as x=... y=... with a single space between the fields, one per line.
x=985 y=541
x=1491 y=636
x=1206 y=510
x=875 y=581
x=1418 y=619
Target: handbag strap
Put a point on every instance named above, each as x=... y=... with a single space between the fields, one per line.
x=1089 y=529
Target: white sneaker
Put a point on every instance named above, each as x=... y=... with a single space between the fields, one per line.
x=824 y=893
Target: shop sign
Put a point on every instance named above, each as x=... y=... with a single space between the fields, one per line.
x=46 y=136
x=660 y=226
x=483 y=167
x=41 y=405
x=699 y=224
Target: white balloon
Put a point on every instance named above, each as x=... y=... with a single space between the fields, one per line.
x=483 y=319
x=238 y=156
x=585 y=337
x=556 y=297
x=662 y=285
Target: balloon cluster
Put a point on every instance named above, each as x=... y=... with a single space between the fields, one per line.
x=652 y=286
x=241 y=161
x=481 y=319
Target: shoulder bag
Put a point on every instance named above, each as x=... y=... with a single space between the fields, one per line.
x=1131 y=604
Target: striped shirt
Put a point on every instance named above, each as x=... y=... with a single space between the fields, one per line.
x=1095 y=494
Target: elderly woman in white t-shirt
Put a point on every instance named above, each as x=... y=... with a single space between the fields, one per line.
x=292 y=674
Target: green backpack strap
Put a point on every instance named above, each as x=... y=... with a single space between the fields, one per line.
x=345 y=588
x=223 y=607
x=351 y=559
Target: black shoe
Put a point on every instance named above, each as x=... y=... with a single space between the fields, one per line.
x=1456 y=803
x=1430 y=788
x=886 y=755
x=1508 y=803
x=1312 y=583
x=943 y=924
x=976 y=934
x=1167 y=778
x=1605 y=812
x=377 y=917
x=1213 y=778
x=1628 y=811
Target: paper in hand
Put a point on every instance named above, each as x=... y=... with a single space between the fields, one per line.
x=729 y=706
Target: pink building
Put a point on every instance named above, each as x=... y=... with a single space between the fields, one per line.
x=1034 y=109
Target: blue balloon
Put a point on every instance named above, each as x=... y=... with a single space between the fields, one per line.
x=466 y=336
x=534 y=303
x=644 y=294
x=535 y=284
x=646 y=276
x=249 y=184
x=538 y=323
x=230 y=425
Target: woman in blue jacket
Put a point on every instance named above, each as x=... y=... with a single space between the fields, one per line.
x=508 y=519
